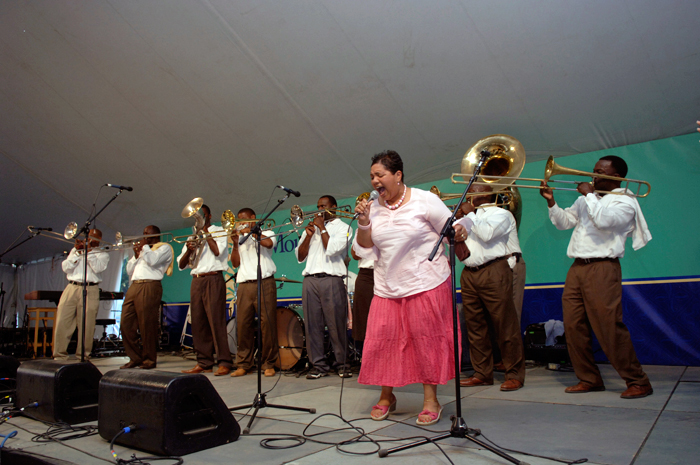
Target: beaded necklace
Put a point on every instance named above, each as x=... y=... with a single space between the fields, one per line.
x=397 y=204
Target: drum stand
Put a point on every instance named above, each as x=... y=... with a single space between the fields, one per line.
x=459 y=427
x=259 y=401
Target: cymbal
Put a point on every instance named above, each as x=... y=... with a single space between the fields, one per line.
x=284 y=279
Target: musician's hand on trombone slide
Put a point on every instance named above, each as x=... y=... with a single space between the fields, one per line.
x=547 y=193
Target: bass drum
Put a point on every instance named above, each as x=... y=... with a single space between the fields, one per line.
x=291 y=337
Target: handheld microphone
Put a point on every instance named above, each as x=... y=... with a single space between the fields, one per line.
x=293 y=192
x=372 y=197
x=124 y=188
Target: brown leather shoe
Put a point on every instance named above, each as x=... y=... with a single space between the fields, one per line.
x=511 y=385
x=474 y=381
x=197 y=369
x=129 y=365
x=239 y=372
x=270 y=372
x=637 y=392
x=147 y=365
x=223 y=370
x=582 y=387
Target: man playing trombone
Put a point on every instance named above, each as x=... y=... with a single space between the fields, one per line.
x=70 y=308
x=323 y=246
x=592 y=297
x=246 y=257
x=140 y=312
x=207 y=256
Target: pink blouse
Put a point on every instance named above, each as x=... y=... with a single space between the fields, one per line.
x=403 y=240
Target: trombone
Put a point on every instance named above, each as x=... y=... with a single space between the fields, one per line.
x=298 y=216
x=506 y=198
x=507 y=160
x=230 y=223
x=126 y=241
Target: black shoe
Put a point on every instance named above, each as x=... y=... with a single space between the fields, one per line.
x=345 y=373
x=315 y=374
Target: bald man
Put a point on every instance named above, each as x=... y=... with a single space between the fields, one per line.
x=141 y=310
x=70 y=308
x=487 y=290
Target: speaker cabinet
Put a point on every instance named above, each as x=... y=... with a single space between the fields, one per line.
x=174 y=414
x=65 y=391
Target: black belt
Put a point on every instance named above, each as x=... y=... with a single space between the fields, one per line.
x=517 y=255
x=143 y=281
x=255 y=280
x=586 y=261
x=211 y=273
x=321 y=275
x=481 y=267
x=80 y=284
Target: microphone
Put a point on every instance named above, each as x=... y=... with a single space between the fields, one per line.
x=372 y=197
x=124 y=188
x=293 y=192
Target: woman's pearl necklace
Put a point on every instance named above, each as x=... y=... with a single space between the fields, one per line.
x=397 y=204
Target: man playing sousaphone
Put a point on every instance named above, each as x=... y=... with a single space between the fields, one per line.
x=245 y=258
x=140 y=312
x=70 y=308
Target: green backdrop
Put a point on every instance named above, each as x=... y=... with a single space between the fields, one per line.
x=671 y=166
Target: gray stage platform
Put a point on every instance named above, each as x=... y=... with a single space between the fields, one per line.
x=540 y=418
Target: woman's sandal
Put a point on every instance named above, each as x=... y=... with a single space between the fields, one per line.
x=434 y=417
x=386 y=409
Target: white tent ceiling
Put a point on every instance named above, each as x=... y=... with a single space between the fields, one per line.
x=225 y=99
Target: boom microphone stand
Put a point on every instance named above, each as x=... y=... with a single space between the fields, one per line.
x=259 y=401
x=86 y=230
x=459 y=427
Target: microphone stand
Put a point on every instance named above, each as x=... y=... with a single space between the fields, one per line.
x=86 y=230
x=259 y=400
x=459 y=427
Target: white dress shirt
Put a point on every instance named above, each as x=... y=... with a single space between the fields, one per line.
x=248 y=271
x=489 y=236
x=601 y=225
x=74 y=265
x=209 y=262
x=331 y=259
x=151 y=264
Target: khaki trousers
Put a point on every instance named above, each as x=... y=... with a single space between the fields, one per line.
x=488 y=293
x=140 y=313
x=69 y=315
x=246 y=308
x=592 y=300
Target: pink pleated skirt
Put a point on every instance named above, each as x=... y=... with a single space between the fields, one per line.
x=409 y=340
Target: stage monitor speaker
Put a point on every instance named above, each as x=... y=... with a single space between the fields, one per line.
x=65 y=392
x=174 y=414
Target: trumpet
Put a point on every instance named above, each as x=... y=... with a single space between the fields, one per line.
x=230 y=223
x=506 y=161
x=298 y=216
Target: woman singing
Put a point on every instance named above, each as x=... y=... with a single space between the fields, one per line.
x=409 y=331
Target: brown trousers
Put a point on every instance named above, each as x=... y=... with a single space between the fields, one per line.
x=246 y=307
x=140 y=312
x=519 y=272
x=592 y=300
x=364 y=291
x=208 y=312
x=488 y=292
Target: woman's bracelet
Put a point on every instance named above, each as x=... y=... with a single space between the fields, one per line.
x=363 y=227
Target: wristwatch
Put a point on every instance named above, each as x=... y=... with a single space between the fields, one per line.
x=324 y=231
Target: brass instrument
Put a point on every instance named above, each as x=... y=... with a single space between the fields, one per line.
x=505 y=198
x=124 y=242
x=503 y=167
x=363 y=196
x=229 y=222
x=298 y=216
x=191 y=210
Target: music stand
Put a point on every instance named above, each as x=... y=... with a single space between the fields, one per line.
x=459 y=427
x=259 y=401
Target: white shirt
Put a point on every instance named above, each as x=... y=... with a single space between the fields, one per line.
x=331 y=259
x=248 y=271
x=601 y=225
x=74 y=265
x=489 y=234
x=209 y=262
x=151 y=264
x=367 y=263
